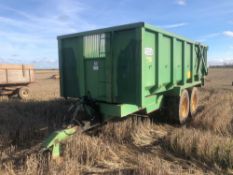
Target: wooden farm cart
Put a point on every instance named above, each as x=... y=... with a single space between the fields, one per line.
x=14 y=80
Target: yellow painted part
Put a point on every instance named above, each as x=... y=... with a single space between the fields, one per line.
x=189 y=74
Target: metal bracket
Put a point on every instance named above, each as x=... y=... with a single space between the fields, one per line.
x=201 y=56
x=53 y=141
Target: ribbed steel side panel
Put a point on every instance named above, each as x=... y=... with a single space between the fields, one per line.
x=131 y=64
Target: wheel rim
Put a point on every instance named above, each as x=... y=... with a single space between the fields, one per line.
x=24 y=93
x=184 y=108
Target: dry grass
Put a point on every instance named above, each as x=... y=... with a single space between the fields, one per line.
x=149 y=165
x=137 y=151
x=129 y=146
x=22 y=122
x=216 y=111
x=204 y=146
x=208 y=138
x=132 y=130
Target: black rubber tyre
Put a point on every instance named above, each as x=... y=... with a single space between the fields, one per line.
x=194 y=101
x=24 y=93
x=177 y=107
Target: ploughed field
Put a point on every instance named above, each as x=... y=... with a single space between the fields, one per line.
x=130 y=146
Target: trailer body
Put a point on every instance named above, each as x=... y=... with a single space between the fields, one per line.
x=12 y=74
x=14 y=78
x=130 y=67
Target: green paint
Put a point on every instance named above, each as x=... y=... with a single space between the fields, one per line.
x=56 y=151
x=126 y=69
x=132 y=67
x=111 y=111
x=54 y=140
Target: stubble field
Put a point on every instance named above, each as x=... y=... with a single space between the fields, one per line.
x=130 y=146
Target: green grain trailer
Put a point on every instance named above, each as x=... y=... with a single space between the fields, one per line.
x=130 y=68
x=125 y=69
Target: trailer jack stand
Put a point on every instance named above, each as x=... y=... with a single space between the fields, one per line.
x=54 y=140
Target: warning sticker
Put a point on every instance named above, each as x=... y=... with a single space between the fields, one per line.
x=95 y=65
x=148 y=51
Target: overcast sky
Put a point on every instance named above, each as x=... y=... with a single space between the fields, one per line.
x=28 y=28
